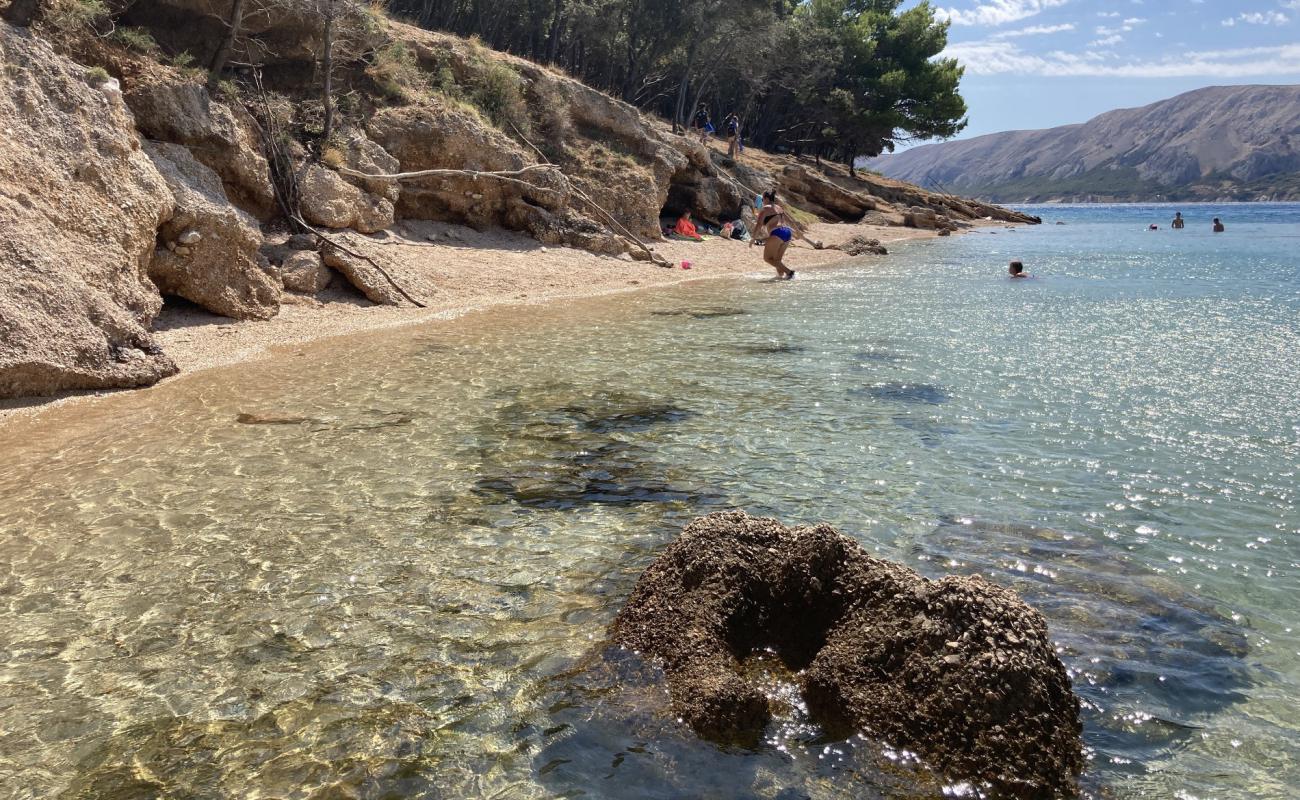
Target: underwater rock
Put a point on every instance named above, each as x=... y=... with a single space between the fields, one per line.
x=958 y=670
x=1132 y=638
x=563 y=448
x=772 y=349
x=919 y=393
x=711 y=312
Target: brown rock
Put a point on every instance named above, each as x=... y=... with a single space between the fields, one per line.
x=79 y=207
x=303 y=272
x=918 y=217
x=330 y=201
x=218 y=268
x=860 y=245
x=363 y=155
x=957 y=670
x=363 y=276
x=221 y=136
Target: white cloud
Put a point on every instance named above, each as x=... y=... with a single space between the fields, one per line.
x=996 y=12
x=990 y=57
x=1036 y=30
x=1125 y=27
x=1294 y=5
x=1257 y=18
x=1111 y=14
x=1108 y=41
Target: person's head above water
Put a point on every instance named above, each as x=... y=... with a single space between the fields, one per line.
x=1016 y=268
x=1178 y=215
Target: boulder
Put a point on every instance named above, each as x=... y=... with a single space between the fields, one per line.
x=918 y=217
x=823 y=196
x=860 y=245
x=302 y=271
x=957 y=670
x=208 y=249
x=368 y=280
x=79 y=206
x=221 y=136
x=330 y=201
x=363 y=155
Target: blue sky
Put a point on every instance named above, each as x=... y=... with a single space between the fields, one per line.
x=1041 y=63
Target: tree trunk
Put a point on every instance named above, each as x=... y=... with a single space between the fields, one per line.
x=678 y=119
x=222 y=55
x=328 y=65
x=21 y=12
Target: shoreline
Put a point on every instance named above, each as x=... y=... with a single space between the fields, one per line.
x=460 y=271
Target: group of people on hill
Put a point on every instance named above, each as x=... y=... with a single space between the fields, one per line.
x=703 y=126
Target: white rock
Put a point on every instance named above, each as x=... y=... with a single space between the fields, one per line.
x=189 y=237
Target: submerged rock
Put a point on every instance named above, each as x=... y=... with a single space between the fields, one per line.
x=709 y=312
x=958 y=670
x=561 y=448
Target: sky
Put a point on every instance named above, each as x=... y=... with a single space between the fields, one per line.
x=1042 y=63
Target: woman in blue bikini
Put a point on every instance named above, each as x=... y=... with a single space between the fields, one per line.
x=779 y=230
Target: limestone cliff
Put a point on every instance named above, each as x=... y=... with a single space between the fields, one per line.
x=80 y=203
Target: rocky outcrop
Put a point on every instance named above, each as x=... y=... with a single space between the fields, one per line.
x=328 y=200
x=362 y=155
x=303 y=272
x=958 y=670
x=861 y=245
x=208 y=249
x=368 y=280
x=220 y=135
x=817 y=194
x=79 y=205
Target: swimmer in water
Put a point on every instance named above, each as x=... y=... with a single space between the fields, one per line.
x=778 y=229
x=1218 y=226
x=1017 y=270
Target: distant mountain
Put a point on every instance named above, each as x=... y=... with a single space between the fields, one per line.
x=1217 y=143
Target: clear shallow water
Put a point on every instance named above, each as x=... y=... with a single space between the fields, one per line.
x=401 y=590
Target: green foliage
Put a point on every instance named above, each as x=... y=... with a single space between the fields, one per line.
x=182 y=60
x=396 y=72
x=137 y=39
x=227 y=89
x=67 y=16
x=498 y=94
x=840 y=78
x=97 y=75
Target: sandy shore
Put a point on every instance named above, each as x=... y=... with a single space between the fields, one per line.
x=455 y=270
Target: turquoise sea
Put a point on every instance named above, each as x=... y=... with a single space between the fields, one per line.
x=401 y=589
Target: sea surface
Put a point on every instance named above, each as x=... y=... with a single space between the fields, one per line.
x=382 y=567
